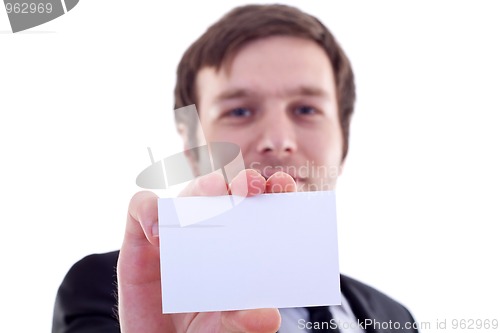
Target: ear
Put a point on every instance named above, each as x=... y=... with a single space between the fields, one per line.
x=192 y=158
x=183 y=132
x=189 y=150
x=341 y=168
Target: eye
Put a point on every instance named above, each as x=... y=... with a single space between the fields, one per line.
x=305 y=110
x=239 y=113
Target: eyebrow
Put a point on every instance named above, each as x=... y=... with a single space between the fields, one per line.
x=237 y=93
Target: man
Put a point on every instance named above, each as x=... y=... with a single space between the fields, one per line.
x=273 y=80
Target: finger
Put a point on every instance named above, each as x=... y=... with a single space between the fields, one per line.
x=280 y=182
x=138 y=262
x=251 y=321
x=142 y=221
x=212 y=184
x=248 y=183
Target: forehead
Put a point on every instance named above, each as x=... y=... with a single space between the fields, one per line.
x=271 y=66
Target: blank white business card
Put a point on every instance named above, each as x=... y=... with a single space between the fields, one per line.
x=234 y=253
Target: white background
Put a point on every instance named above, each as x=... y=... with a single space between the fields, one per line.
x=82 y=97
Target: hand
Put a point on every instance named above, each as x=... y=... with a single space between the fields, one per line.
x=139 y=291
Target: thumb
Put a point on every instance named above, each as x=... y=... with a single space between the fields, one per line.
x=142 y=219
x=251 y=321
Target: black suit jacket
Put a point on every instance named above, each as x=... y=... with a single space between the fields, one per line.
x=87 y=298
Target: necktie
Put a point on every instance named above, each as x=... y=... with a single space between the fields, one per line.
x=321 y=320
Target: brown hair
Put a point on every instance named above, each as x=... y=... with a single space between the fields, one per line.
x=244 y=24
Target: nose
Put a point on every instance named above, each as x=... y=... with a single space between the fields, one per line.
x=277 y=136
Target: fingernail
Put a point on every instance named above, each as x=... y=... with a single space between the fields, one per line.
x=154 y=229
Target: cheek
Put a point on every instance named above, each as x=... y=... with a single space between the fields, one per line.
x=228 y=135
x=240 y=136
x=245 y=144
x=322 y=149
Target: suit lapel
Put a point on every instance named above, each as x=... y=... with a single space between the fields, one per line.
x=359 y=302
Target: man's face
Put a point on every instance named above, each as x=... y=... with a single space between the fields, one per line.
x=276 y=99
